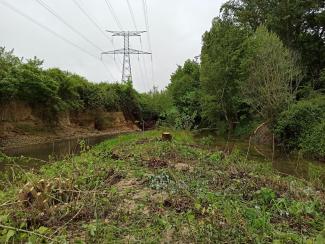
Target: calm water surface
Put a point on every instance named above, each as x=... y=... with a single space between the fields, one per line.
x=42 y=153
x=285 y=163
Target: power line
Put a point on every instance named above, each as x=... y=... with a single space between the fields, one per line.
x=48 y=8
x=91 y=19
x=71 y=27
x=111 y=9
x=95 y=24
x=146 y=16
x=17 y=11
x=132 y=15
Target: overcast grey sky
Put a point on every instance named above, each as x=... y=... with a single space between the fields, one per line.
x=176 y=28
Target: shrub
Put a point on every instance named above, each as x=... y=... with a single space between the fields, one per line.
x=208 y=141
x=313 y=142
x=155 y=104
x=54 y=90
x=216 y=157
x=297 y=123
x=265 y=196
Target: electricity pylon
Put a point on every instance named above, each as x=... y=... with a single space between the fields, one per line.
x=126 y=51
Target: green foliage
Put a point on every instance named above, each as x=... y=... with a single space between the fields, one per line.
x=216 y=157
x=184 y=87
x=259 y=219
x=128 y=100
x=54 y=90
x=7 y=62
x=313 y=142
x=186 y=121
x=159 y=182
x=265 y=196
x=302 y=121
x=185 y=92
x=246 y=126
x=322 y=80
x=209 y=140
x=299 y=24
x=155 y=104
x=270 y=74
x=221 y=57
x=69 y=86
x=177 y=120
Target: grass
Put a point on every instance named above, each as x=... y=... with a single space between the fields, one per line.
x=137 y=188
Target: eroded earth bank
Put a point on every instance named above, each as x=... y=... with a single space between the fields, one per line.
x=20 y=125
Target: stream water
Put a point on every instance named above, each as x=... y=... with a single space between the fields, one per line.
x=283 y=162
x=56 y=150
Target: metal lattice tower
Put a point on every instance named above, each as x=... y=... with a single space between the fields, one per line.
x=126 y=51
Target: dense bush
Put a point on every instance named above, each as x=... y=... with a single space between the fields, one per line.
x=57 y=91
x=313 y=142
x=177 y=106
x=155 y=104
x=301 y=125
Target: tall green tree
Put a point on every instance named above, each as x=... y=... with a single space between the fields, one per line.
x=270 y=74
x=185 y=91
x=299 y=23
x=220 y=74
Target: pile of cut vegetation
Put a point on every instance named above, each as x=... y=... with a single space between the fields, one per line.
x=140 y=188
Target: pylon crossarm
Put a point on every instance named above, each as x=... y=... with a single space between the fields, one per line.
x=126 y=33
x=134 y=51
x=126 y=51
x=122 y=51
x=118 y=51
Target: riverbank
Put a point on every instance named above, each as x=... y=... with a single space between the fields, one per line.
x=60 y=134
x=21 y=125
x=138 y=188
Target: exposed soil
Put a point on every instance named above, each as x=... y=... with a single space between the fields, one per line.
x=21 y=125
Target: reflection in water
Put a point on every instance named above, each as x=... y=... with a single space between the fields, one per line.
x=54 y=150
x=296 y=167
x=285 y=163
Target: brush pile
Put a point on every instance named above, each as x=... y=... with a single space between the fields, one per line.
x=46 y=196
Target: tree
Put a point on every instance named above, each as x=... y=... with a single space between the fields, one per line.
x=155 y=104
x=300 y=24
x=185 y=91
x=270 y=75
x=221 y=57
x=8 y=62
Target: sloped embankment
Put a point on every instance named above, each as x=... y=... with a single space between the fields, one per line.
x=20 y=124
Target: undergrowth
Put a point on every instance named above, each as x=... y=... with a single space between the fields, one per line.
x=138 y=188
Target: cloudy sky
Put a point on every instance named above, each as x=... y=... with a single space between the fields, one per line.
x=176 y=28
